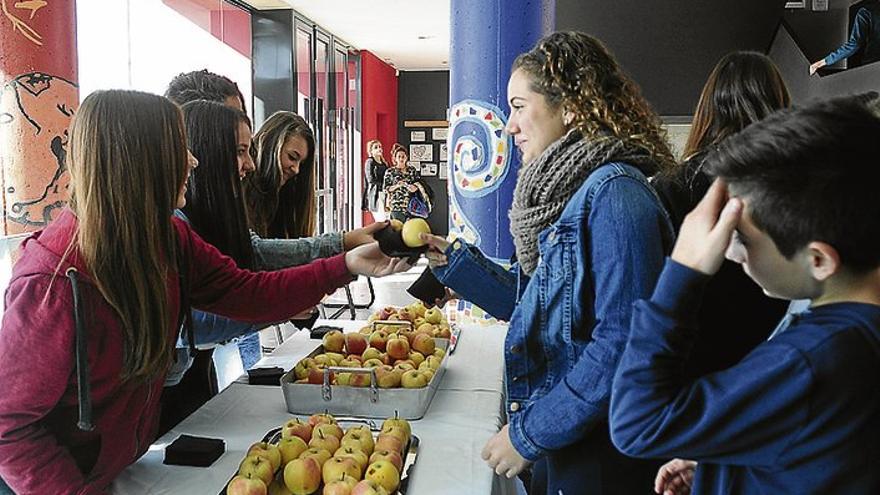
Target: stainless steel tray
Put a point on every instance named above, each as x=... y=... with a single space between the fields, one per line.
x=366 y=402
x=409 y=461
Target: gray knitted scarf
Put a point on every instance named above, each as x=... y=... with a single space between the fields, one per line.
x=544 y=186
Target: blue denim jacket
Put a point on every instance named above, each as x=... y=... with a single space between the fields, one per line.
x=569 y=322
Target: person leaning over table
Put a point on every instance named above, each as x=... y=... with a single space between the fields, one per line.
x=138 y=269
x=590 y=236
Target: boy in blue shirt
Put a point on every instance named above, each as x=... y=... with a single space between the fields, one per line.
x=797 y=205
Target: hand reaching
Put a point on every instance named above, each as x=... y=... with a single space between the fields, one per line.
x=369 y=260
x=363 y=235
x=706 y=231
x=675 y=477
x=815 y=66
x=500 y=454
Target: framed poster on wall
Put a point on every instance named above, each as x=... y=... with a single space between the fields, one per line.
x=443 y=171
x=417 y=136
x=429 y=170
x=443 y=152
x=440 y=133
x=421 y=152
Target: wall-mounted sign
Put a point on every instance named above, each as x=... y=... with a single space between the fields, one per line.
x=429 y=169
x=440 y=133
x=417 y=136
x=421 y=152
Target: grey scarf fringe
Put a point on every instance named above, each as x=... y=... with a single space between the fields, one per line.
x=544 y=186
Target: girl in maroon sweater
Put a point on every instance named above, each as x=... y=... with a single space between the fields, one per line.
x=137 y=268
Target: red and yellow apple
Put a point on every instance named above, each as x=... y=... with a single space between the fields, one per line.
x=319 y=455
x=378 y=339
x=259 y=467
x=267 y=450
x=397 y=347
x=352 y=450
x=297 y=427
x=361 y=439
x=302 y=476
x=316 y=419
x=328 y=429
x=355 y=343
x=424 y=344
x=385 y=474
x=246 y=485
x=388 y=455
x=321 y=441
x=336 y=467
x=291 y=448
x=414 y=379
x=389 y=442
x=368 y=487
x=333 y=341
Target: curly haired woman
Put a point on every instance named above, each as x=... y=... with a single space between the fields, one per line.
x=590 y=236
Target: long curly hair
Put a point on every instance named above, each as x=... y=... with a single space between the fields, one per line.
x=575 y=72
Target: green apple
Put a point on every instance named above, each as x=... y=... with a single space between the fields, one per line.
x=433 y=315
x=320 y=440
x=319 y=455
x=267 y=450
x=397 y=422
x=360 y=439
x=411 y=230
x=385 y=474
x=333 y=341
x=352 y=449
x=256 y=466
x=336 y=467
x=291 y=448
x=413 y=379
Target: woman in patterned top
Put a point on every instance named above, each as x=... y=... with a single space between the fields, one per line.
x=401 y=184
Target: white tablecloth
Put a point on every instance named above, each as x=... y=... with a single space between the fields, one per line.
x=465 y=412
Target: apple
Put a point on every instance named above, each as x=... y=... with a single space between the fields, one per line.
x=277 y=487
x=444 y=333
x=423 y=344
x=406 y=314
x=389 y=442
x=302 y=476
x=409 y=334
x=352 y=449
x=297 y=427
x=371 y=353
x=319 y=455
x=385 y=474
x=333 y=341
x=324 y=441
x=397 y=348
x=342 y=486
x=396 y=224
x=388 y=455
x=362 y=379
x=413 y=379
x=387 y=377
x=418 y=308
x=396 y=431
x=397 y=422
x=316 y=374
x=411 y=230
x=364 y=429
x=344 y=379
x=373 y=363
x=355 y=343
x=427 y=328
x=301 y=370
x=404 y=366
x=432 y=362
x=246 y=485
x=267 y=450
x=257 y=467
x=323 y=359
x=329 y=429
x=385 y=358
x=321 y=418
x=291 y=448
x=336 y=467
x=429 y=373
x=417 y=358
x=364 y=440
x=367 y=330
x=350 y=363
x=440 y=352
x=335 y=357
x=386 y=312
x=433 y=315
x=419 y=322
x=368 y=487
x=378 y=339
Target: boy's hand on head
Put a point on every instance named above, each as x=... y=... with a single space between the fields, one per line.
x=675 y=477
x=706 y=231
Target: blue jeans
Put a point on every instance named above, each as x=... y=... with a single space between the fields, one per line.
x=249 y=349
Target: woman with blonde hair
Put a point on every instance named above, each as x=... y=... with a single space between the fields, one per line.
x=103 y=291
x=590 y=237
x=375 y=168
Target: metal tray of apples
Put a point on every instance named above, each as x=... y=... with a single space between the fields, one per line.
x=369 y=401
x=411 y=452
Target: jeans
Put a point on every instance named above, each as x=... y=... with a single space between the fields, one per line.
x=249 y=349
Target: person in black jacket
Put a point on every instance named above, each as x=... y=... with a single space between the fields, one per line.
x=374 y=172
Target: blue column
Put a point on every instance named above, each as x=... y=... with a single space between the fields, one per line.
x=486 y=36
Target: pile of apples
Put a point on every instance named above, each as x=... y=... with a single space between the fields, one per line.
x=317 y=452
x=422 y=318
x=402 y=357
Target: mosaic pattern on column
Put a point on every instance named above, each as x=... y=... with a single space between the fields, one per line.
x=480 y=148
x=35 y=111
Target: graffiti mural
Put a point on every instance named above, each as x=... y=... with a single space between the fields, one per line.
x=19 y=24
x=35 y=111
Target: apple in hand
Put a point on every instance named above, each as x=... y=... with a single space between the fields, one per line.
x=246 y=485
x=336 y=467
x=291 y=448
x=257 y=467
x=368 y=487
x=397 y=348
x=297 y=427
x=328 y=429
x=413 y=379
x=355 y=343
x=411 y=230
x=385 y=474
x=424 y=344
x=319 y=455
x=433 y=315
x=388 y=455
x=267 y=450
x=333 y=341
x=302 y=476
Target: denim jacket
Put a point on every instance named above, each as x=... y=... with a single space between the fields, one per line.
x=569 y=322
x=269 y=254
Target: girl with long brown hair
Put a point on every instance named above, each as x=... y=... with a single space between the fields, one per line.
x=131 y=271
x=590 y=236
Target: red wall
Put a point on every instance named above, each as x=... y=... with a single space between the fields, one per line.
x=378 y=106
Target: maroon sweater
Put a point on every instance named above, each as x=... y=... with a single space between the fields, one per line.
x=41 y=449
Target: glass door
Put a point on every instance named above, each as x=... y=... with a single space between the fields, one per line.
x=324 y=146
x=344 y=180
x=303 y=42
